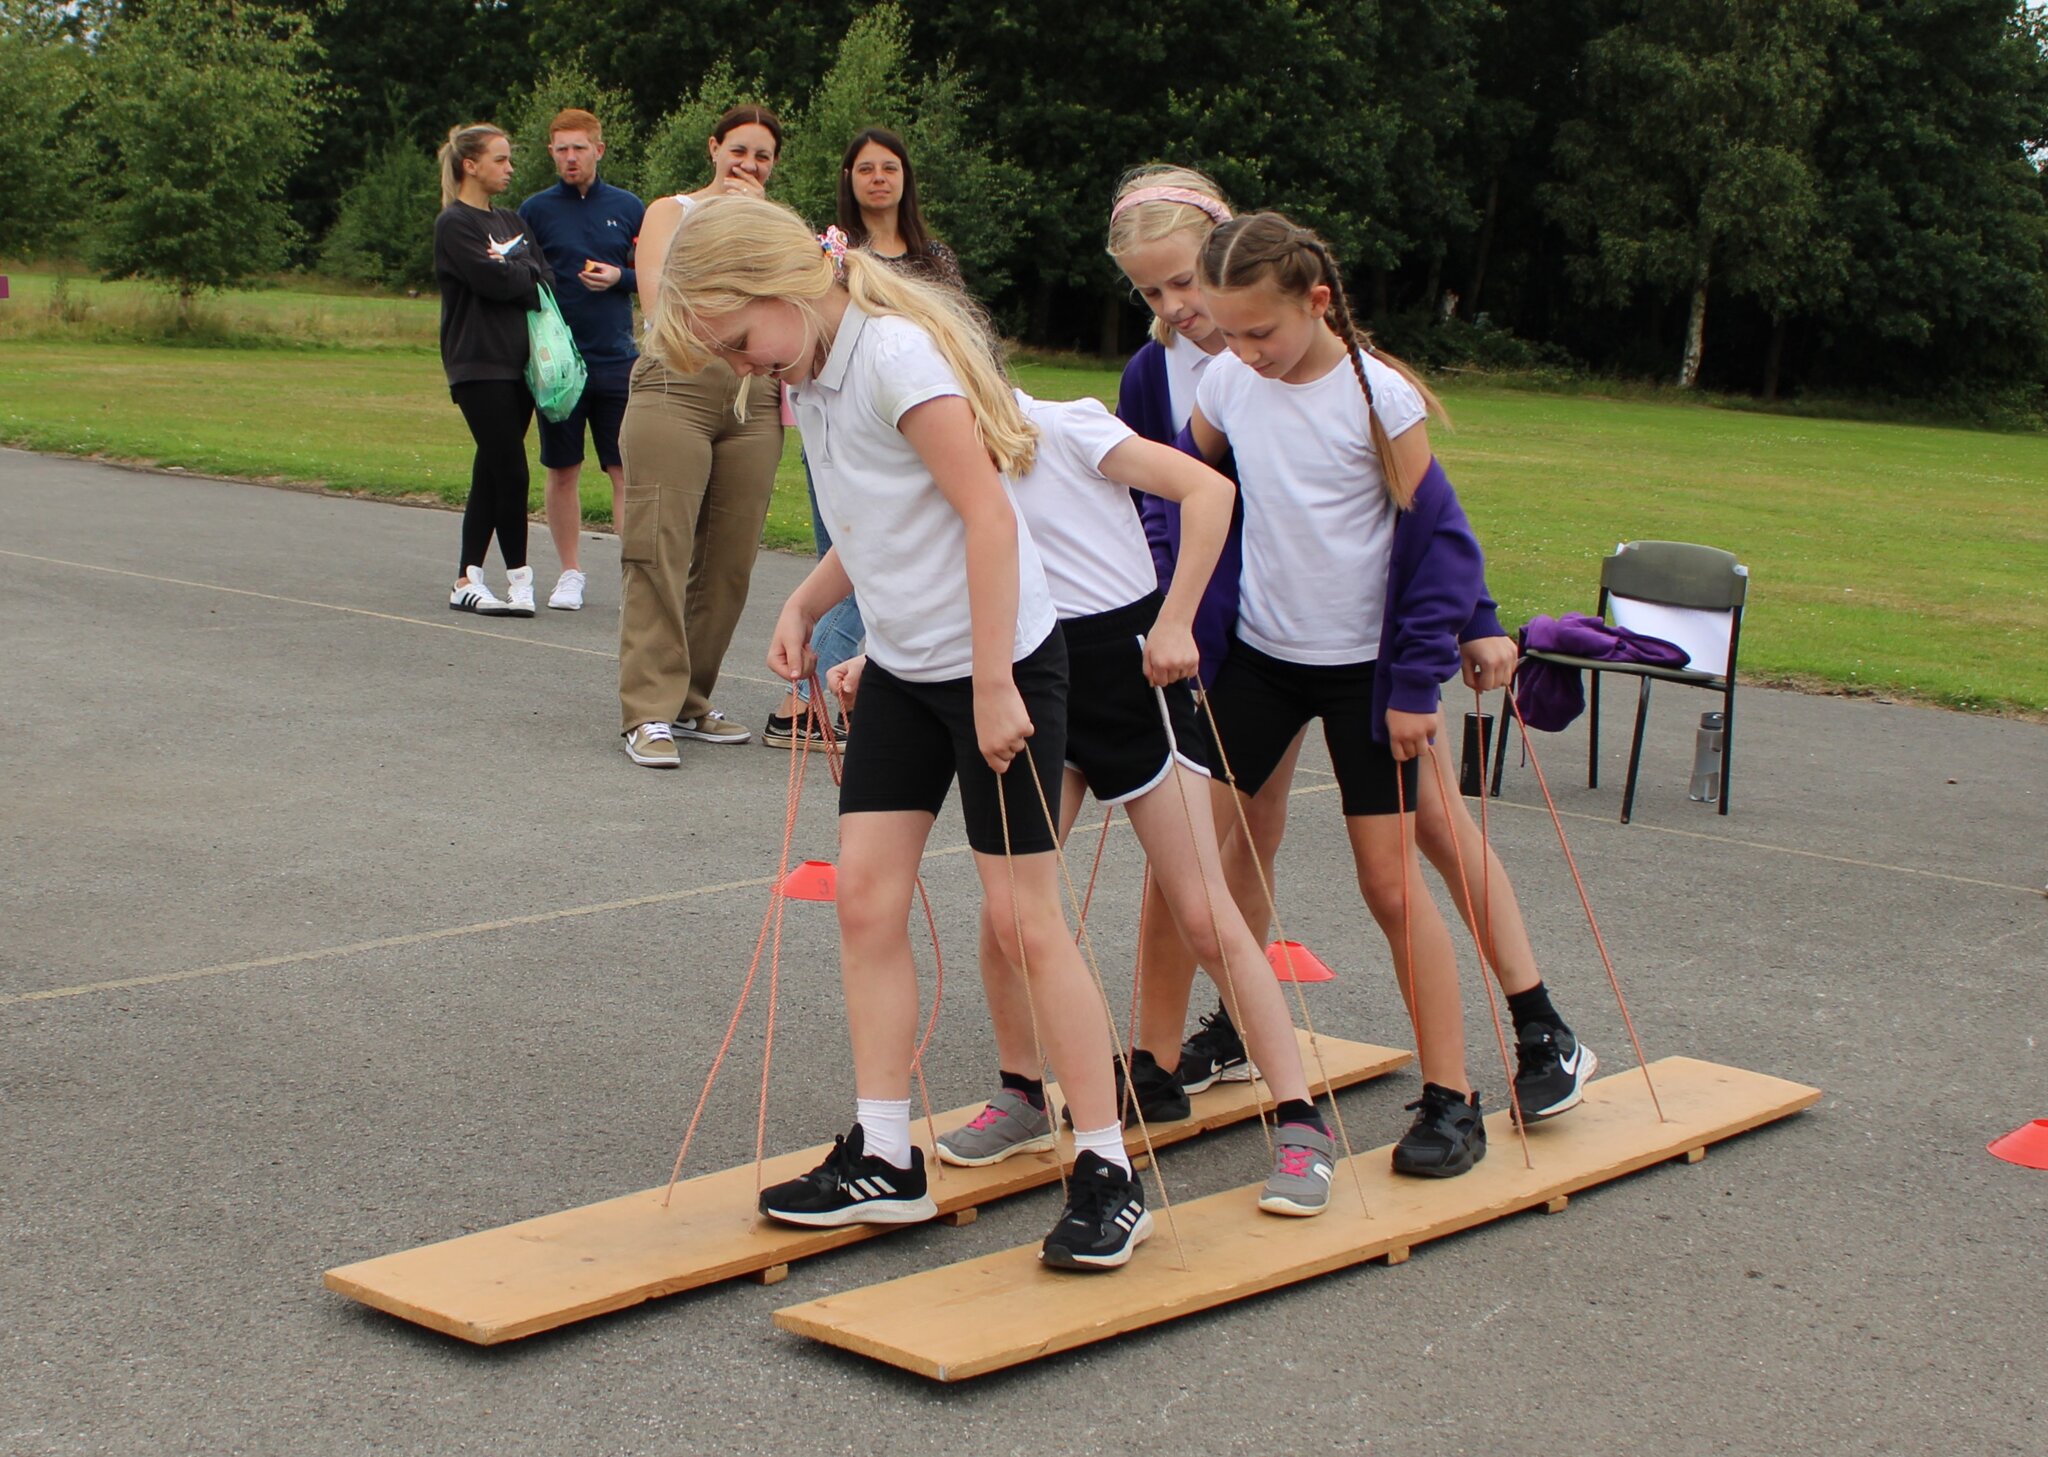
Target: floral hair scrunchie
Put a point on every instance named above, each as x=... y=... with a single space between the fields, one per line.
x=833 y=242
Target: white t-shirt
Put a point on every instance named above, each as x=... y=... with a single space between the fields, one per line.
x=1185 y=366
x=1085 y=524
x=1318 y=528
x=902 y=543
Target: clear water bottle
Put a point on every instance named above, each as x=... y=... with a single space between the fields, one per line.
x=1706 y=759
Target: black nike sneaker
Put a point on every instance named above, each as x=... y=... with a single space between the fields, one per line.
x=1447 y=1138
x=851 y=1187
x=1551 y=1071
x=1104 y=1220
x=1214 y=1055
x=1160 y=1098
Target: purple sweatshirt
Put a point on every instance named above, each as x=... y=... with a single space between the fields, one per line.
x=1427 y=578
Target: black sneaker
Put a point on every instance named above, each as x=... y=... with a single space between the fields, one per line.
x=1448 y=1136
x=1159 y=1094
x=790 y=731
x=1103 y=1222
x=1552 y=1070
x=1214 y=1055
x=851 y=1187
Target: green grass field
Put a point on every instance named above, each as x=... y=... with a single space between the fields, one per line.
x=1901 y=559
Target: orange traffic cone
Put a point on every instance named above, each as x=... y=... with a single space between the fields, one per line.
x=2026 y=1145
x=1292 y=961
x=814 y=880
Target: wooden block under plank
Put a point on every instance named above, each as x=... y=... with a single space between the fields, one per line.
x=501 y=1284
x=983 y=1315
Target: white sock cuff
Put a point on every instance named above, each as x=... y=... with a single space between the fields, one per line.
x=1106 y=1143
x=885 y=1128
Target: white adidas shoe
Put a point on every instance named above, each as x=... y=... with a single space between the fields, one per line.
x=519 y=592
x=568 y=593
x=471 y=595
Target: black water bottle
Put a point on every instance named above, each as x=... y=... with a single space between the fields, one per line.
x=1472 y=762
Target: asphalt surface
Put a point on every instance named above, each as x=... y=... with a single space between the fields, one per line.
x=332 y=923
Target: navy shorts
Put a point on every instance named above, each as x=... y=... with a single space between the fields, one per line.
x=1117 y=723
x=1260 y=704
x=561 y=444
x=909 y=741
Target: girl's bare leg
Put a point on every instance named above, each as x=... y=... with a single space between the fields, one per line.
x=1430 y=983
x=1445 y=830
x=1009 y=1007
x=878 y=860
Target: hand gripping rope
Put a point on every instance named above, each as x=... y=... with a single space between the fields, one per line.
x=770 y=938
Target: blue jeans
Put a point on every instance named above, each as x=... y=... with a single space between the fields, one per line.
x=839 y=632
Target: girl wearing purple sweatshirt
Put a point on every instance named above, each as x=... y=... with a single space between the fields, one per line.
x=1360 y=577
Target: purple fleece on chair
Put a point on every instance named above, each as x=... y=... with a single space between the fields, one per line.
x=1552 y=695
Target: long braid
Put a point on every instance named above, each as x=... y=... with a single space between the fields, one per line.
x=1339 y=319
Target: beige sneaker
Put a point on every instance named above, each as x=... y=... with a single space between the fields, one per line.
x=653 y=745
x=714 y=728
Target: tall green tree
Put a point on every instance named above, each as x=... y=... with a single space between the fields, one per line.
x=1932 y=161
x=1693 y=165
x=44 y=87
x=202 y=110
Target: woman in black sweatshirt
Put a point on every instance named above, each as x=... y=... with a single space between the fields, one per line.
x=490 y=271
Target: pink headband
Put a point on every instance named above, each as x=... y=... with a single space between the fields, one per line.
x=1184 y=195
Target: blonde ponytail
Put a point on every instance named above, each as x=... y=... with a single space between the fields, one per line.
x=464 y=144
x=730 y=251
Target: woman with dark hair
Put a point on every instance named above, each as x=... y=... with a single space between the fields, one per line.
x=878 y=209
x=878 y=212
x=700 y=452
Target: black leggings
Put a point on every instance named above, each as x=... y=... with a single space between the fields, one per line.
x=498 y=412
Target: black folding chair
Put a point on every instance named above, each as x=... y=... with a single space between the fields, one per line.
x=1690 y=595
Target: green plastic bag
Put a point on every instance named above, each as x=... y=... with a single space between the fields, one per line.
x=554 y=367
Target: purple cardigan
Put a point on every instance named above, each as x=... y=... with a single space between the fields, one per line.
x=1417 y=651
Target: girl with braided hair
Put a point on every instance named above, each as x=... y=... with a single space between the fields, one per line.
x=1360 y=577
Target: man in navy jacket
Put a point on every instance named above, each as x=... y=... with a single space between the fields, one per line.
x=586 y=228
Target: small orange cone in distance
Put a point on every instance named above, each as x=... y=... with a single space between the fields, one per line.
x=814 y=880
x=2026 y=1145
x=1292 y=961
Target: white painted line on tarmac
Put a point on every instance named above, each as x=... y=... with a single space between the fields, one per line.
x=532 y=642
x=416 y=938
x=2027 y=890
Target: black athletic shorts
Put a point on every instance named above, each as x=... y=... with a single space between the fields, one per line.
x=1117 y=723
x=914 y=738
x=561 y=445
x=1260 y=704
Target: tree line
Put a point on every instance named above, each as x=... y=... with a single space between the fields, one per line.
x=1841 y=196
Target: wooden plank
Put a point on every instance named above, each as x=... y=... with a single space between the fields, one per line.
x=987 y=1314
x=501 y=1284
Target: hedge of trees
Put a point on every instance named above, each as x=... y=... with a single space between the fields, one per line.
x=1760 y=195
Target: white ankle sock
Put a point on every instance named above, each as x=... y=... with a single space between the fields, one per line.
x=1105 y=1143
x=885 y=1124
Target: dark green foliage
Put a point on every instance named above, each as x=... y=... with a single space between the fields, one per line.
x=44 y=103
x=384 y=232
x=200 y=115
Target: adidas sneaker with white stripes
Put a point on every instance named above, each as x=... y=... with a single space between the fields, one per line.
x=1104 y=1221
x=853 y=1187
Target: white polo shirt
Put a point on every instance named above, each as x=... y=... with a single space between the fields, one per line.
x=902 y=543
x=1318 y=528
x=1085 y=524
x=1185 y=366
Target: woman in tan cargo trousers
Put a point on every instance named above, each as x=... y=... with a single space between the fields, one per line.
x=698 y=478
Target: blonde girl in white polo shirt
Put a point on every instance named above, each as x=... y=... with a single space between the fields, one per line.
x=910 y=428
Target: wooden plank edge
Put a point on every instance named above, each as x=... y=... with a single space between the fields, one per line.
x=1395 y=1248
x=1381 y=1062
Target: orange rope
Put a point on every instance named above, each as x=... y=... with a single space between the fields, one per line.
x=1584 y=900
x=1443 y=791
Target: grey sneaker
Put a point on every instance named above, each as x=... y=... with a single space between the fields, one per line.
x=652 y=744
x=1303 y=1161
x=1008 y=1125
x=713 y=728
